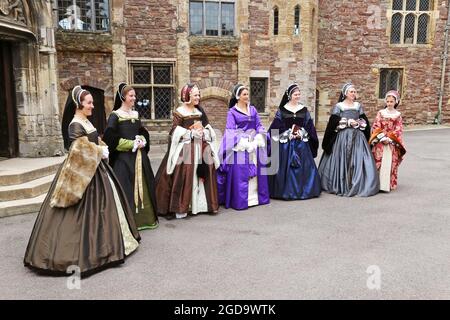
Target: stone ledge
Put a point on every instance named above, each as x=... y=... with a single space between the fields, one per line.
x=214 y=46
x=83 y=41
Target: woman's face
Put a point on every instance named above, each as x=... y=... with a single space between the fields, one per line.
x=130 y=98
x=351 y=94
x=195 y=96
x=244 y=96
x=390 y=102
x=88 y=105
x=295 y=96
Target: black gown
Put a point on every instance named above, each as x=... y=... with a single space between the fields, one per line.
x=124 y=164
x=96 y=232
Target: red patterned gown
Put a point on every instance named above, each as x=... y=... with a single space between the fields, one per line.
x=388 y=126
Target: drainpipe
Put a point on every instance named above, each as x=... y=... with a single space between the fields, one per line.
x=438 y=117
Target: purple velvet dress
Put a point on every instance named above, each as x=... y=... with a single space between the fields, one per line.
x=237 y=167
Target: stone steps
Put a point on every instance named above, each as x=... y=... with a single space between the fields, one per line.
x=20 y=170
x=16 y=207
x=30 y=189
x=158 y=138
x=24 y=183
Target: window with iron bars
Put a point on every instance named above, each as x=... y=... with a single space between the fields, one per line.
x=258 y=91
x=154 y=87
x=410 y=22
x=390 y=79
x=211 y=18
x=83 y=15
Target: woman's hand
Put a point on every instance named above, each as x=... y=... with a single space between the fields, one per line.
x=197 y=133
x=105 y=154
x=353 y=123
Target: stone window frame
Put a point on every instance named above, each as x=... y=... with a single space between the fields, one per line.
x=432 y=14
x=152 y=62
x=402 y=80
x=92 y=25
x=261 y=75
x=219 y=17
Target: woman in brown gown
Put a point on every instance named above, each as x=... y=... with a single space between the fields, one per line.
x=186 y=179
x=85 y=221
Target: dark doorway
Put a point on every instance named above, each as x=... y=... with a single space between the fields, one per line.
x=8 y=116
x=98 y=117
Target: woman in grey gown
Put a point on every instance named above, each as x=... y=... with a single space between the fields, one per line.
x=347 y=167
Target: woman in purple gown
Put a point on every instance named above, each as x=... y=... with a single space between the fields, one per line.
x=241 y=178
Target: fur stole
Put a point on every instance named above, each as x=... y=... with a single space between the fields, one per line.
x=76 y=173
x=397 y=142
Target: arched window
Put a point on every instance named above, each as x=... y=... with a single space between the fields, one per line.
x=422 y=32
x=396 y=28
x=275 y=21
x=297 y=20
x=410 y=26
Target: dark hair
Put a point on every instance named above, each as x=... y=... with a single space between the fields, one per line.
x=78 y=94
x=82 y=96
x=120 y=94
x=342 y=95
x=288 y=93
x=72 y=104
x=185 y=93
x=237 y=89
x=396 y=104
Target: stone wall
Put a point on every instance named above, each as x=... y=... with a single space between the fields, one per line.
x=286 y=57
x=150 y=28
x=354 y=43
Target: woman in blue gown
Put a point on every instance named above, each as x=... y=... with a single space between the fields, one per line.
x=293 y=131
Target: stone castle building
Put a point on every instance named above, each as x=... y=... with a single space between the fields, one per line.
x=49 y=46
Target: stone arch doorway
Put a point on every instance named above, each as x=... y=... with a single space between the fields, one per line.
x=26 y=42
x=15 y=31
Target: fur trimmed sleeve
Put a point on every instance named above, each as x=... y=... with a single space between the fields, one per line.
x=76 y=173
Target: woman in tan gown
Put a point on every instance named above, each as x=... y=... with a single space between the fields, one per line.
x=85 y=221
